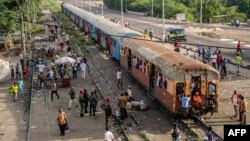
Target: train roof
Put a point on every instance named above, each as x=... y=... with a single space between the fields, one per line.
x=105 y=25
x=88 y=16
x=168 y=60
x=115 y=29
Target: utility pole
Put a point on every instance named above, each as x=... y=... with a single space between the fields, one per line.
x=122 y=10
x=23 y=41
x=163 y=20
x=201 y=12
x=102 y=9
x=34 y=15
x=89 y=6
x=29 y=28
x=152 y=12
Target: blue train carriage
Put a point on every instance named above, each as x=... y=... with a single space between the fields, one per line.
x=109 y=36
x=82 y=18
x=168 y=74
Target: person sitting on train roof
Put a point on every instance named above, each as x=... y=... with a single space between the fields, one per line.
x=211 y=88
x=196 y=100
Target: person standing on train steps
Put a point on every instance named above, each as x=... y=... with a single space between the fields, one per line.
x=107 y=109
x=72 y=97
x=235 y=101
x=238 y=62
x=196 y=101
x=243 y=110
x=185 y=104
x=83 y=67
x=211 y=88
x=119 y=78
x=238 y=48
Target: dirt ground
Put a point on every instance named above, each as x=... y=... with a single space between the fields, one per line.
x=242 y=35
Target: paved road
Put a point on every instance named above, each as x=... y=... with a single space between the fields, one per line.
x=140 y=22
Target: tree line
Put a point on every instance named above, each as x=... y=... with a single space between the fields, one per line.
x=213 y=10
x=10 y=14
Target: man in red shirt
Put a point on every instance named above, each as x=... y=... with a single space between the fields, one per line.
x=238 y=48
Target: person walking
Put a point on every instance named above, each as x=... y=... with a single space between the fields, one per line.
x=82 y=102
x=78 y=61
x=224 y=66
x=92 y=103
x=243 y=110
x=54 y=90
x=14 y=88
x=119 y=78
x=176 y=134
x=62 y=121
x=107 y=109
x=122 y=105
x=213 y=60
x=238 y=62
x=72 y=97
x=151 y=34
x=209 y=134
x=86 y=102
x=51 y=75
x=209 y=53
x=219 y=60
x=20 y=86
x=18 y=74
x=83 y=67
x=238 y=49
x=235 y=101
x=74 y=70
x=12 y=72
x=96 y=96
x=108 y=135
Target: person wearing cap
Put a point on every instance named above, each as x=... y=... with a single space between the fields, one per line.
x=211 y=88
x=107 y=109
x=82 y=102
x=72 y=97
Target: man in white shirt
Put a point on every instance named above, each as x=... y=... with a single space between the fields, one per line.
x=51 y=75
x=83 y=67
x=108 y=136
x=41 y=69
x=78 y=61
x=119 y=78
x=213 y=60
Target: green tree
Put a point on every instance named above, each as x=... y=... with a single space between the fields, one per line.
x=244 y=7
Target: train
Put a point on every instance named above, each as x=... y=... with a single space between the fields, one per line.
x=160 y=70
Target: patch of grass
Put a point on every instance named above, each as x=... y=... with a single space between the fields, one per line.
x=52 y=5
x=144 y=136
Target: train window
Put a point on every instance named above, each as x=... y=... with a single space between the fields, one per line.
x=165 y=84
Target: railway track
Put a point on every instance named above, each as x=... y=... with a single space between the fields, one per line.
x=28 y=92
x=106 y=89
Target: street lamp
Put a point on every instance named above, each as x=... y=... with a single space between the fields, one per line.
x=163 y=20
x=152 y=12
x=201 y=13
x=122 y=11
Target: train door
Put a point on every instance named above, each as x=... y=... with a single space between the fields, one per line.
x=107 y=43
x=129 y=59
x=98 y=35
x=152 y=77
x=196 y=84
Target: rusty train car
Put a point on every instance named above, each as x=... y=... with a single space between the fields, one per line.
x=162 y=71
